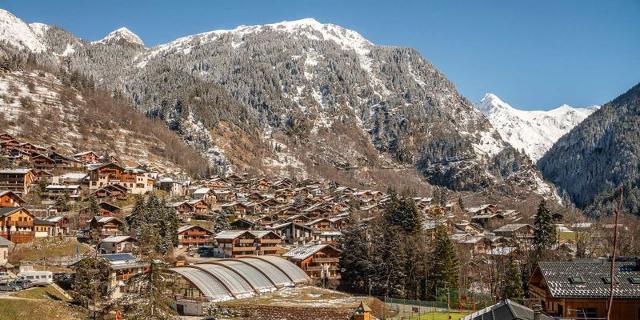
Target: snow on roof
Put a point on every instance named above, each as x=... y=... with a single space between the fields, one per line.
x=201 y=191
x=116 y=239
x=301 y=253
x=74 y=175
x=15 y=171
x=230 y=234
x=63 y=186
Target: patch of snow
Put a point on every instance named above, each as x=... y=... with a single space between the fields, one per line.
x=17 y=33
x=534 y=132
x=118 y=35
x=68 y=50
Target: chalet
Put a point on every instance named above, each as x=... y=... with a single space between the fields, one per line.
x=294 y=233
x=299 y=218
x=106 y=226
x=206 y=194
x=71 y=178
x=330 y=237
x=43 y=228
x=87 y=157
x=108 y=209
x=224 y=196
x=519 y=231
x=173 y=187
x=320 y=224
x=30 y=148
x=60 y=225
x=235 y=243
x=475 y=244
x=338 y=223
x=135 y=180
x=319 y=261
x=122 y=267
x=117 y=244
x=485 y=209
x=54 y=160
x=55 y=191
x=10 y=199
x=243 y=224
x=112 y=191
x=16 y=224
x=580 y=289
x=6 y=246
x=183 y=209
x=488 y=221
x=19 y=181
x=194 y=236
x=200 y=206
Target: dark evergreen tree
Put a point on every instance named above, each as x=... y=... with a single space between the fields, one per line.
x=220 y=222
x=512 y=284
x=94 y=208
x=91 y=283
x=444 y=266
x=544 y=235
x=355 y=261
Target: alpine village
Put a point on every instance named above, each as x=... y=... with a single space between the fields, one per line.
x=123 y=199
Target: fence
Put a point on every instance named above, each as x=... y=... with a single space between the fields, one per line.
x=451 y=300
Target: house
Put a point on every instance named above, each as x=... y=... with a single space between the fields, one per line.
x=362 y=312
x=10 y=199
x=55 y=191
x=112 y=191
x=60 y=225
x=205 y=194
x=173 y=187
x=319 y=261
x=294 y=233
x=183 y=209
x=515 y=231
x=320 y=224
x=330 y=237
x=485 y=209
x=199 y=206
x=117 y=244
x=236 y=243
x=87 y=157
x=242 y=224
x=105 y=209
x=43 y=228
x=122 y=267
x=194 y=236
x=136 y=181
x=106 y=226
x=54 y=161
x=475 y=244
x=580 y=289
x=507 y=310
x=71 y=178
x=5 y=247
x=16 y=224
x=19 y=181
x=37 y=277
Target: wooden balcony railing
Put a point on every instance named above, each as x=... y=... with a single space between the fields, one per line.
x=326 y=260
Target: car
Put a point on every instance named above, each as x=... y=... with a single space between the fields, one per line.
x=10 y=286
x=23 y=283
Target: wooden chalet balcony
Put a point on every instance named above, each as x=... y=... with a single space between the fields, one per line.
x=24 y=224
x=326 y=260
x=198 y=241
x=319 y=268
x=244 y=241
x=270 y=241
x=244 y=249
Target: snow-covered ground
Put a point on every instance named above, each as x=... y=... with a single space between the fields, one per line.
x=532 y=131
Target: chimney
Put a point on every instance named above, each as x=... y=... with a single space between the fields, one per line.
x=537 y=311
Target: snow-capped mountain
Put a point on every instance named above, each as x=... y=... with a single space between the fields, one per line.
x=121 y=34
x=533 y=132
x=306 y=98
x=18 y=34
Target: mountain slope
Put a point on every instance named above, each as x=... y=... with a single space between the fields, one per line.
x=533 y=132
x=601 y=153
x=306 y=99
x=65 y=111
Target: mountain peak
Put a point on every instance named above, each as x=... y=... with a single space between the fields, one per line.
x=490 y=102
x=17 y=33
x=121 y=34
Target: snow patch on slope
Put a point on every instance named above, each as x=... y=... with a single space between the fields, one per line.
x=122 y=34
x=534 y=132
x=17 y=33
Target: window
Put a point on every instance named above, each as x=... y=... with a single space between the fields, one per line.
x=635 y=280
x=586 y=313
x=576 y=280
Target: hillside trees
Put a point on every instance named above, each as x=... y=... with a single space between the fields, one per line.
x=155 y=223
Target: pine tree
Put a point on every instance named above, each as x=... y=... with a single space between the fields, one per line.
x=220 y=222
x=512 y=285
x=91 y=282
x=355 y=261
x=137 y=216
x=544 y=231
x=402 y=212
x=444 y=268
x=94 y=208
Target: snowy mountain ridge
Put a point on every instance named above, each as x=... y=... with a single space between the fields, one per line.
x=534 y=132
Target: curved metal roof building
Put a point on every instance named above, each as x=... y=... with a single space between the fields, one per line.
x=227 y=279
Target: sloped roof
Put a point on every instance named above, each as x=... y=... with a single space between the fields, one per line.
x=505 y=310
x=560 y=278
x=303 y=252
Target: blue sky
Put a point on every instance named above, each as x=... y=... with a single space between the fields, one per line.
x=533 y=54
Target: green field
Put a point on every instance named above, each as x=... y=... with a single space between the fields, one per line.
x=439 y=316
x=11 y=309
x=42 y=249
x=48 y=292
